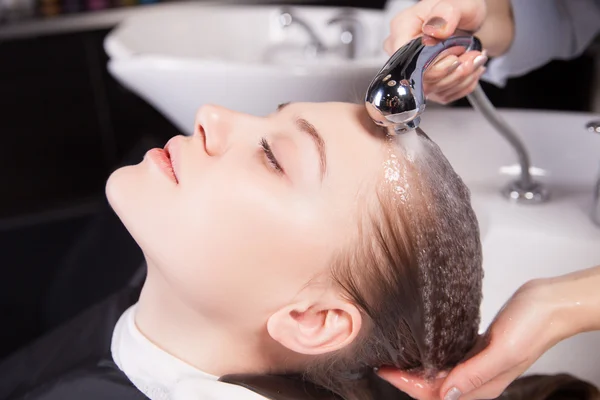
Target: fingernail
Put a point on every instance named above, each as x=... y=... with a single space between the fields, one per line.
x=433 y=25
x=441 y=375
x=479 y=61
x=453 y=67
x=447 y=64
x=453 y=394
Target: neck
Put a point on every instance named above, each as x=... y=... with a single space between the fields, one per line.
x=178 y=328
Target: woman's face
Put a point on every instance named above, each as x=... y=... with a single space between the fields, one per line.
x=259 y=205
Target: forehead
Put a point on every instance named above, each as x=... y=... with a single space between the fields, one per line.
x=342 y=124
x=357 y=149
x=346 y=128
x=347 y=115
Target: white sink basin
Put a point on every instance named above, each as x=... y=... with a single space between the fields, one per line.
x=522 y=242
x=181 y=56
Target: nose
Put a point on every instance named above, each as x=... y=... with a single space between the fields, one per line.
x=215 y=125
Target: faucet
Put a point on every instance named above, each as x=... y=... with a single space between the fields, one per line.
x=594 y=127
x=596 y=203
x=351 y=30
x=316 y=45
x=395 y=100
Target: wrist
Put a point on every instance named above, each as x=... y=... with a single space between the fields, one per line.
x=561 y=309
x=543 y=295
x=498 y=29
x=575 y=304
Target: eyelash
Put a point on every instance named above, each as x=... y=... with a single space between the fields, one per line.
x=266 y=147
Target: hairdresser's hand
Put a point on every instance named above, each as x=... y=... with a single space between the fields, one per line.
x=457 y=74
x=523 y=330
x=540 y=314
x=530 y=323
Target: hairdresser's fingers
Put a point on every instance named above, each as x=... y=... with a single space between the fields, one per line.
x=468 y=64
x=456 y=84
x=447 y=63
x=436 y=81
x=462 y=89
x=407 y=25
x=495 y=387
x=448 y=15
x=436 y=18
x=441 y=69
x=390 y=46
x=473 y=374
x=522 y=331
x=416 y=386
x=410 y=23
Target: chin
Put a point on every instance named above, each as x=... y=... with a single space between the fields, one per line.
x=116 y=188
x=128 y=197
x=141 y=202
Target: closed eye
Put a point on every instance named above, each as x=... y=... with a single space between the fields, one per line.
x=271 y=159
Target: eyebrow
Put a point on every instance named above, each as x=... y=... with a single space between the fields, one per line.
x=308 y=128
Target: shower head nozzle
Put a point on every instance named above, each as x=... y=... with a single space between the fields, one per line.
x=395 y=98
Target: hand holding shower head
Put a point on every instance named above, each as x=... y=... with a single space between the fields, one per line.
x=395 y=98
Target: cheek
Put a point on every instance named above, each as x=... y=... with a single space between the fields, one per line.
x=242 y=216
x=243 y=235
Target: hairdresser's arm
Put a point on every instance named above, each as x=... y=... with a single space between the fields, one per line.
x=544 y=30
x=538 y=316
x=522 y=35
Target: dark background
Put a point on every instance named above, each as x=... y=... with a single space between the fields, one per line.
x=66 y=124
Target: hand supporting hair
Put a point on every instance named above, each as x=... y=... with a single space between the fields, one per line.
x=540 y=314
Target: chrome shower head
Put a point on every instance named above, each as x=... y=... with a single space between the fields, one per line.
x=395 y=97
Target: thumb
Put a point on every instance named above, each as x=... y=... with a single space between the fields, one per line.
x=404 y=27
x=472 y=374
x=448 y=15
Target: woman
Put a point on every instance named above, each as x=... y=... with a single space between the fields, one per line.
x=294 y=244
x=366 y=248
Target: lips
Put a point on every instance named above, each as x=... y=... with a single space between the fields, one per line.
x=172 y=152
x=160 y=158
x=168 y=159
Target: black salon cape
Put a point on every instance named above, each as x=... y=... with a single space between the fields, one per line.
x=74 y=362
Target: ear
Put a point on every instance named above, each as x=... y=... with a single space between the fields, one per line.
x=315 y=328
x=413 y=385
